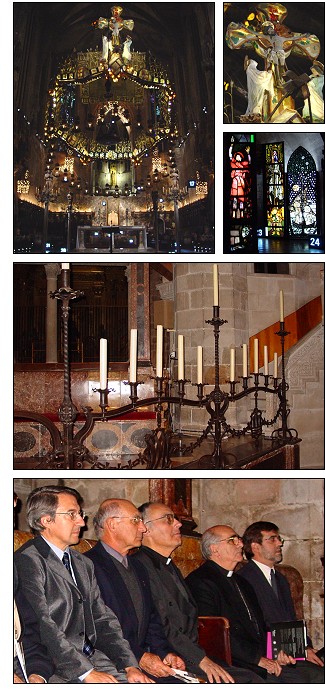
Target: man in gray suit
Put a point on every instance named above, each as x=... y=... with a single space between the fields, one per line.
x=173 y=599
x=82 y=635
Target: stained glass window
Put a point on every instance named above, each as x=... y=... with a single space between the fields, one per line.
x=302 y=193
x=240 y=196
x=274 y=188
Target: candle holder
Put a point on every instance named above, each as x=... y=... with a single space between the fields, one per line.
x=103 y=399
x=163 y=442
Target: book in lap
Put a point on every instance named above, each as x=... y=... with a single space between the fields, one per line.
x=290 y=637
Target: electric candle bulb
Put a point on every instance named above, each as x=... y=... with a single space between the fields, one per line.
x=245 y=368
x=281 y=306
x=65 y=266
x=215 y=285
x=200 y=365
x=159 y=351
x=180 y=357
x=266 y=360
x=232 y=364
x=133 y=355
x=275 y=369
x=256 y=363
x=103 y=363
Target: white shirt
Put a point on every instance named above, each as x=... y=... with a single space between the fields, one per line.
x=266 y=570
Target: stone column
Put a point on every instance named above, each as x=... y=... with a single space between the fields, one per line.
x=139 y=308
x=52 y=271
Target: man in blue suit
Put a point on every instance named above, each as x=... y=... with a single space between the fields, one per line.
x=263 y=548
x=125 y=588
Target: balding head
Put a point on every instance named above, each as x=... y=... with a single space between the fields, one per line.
x=222 y=545
x=119 y=524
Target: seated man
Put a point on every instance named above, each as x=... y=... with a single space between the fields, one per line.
x=173 y=600
x=82 y=636
x=31 y=661
x=263 y=549
x=219 y=591
x=125 y=588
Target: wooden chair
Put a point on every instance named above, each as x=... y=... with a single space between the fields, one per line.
x=214 y=637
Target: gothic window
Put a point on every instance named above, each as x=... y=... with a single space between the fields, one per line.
x=240 y=199
x=302 y=193
x=274 y=174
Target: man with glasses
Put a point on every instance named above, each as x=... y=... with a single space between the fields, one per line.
x=263 y=548
x=82 y=636
x=125 y=588
x=173 y=599
x=221 y=592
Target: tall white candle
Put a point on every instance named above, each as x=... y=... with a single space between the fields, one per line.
x=133 y=354
x=275 y=370
x=180 y=347
x=159 y=351
x=103 y=363
x=256 y=363
x=215 y=285
x=281 y=306
x=65 y=266
x=200 y=364
x=266 y=360
x=232 y=364
x=245 y=364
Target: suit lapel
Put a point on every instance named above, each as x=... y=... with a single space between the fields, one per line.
x=56 y=564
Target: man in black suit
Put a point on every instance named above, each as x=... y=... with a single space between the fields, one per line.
x=81 y=634
x=173 y=599
x=125 y=588
x=263 y=549
x=219 y=591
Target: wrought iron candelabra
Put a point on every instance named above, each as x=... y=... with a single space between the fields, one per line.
x=162 y=444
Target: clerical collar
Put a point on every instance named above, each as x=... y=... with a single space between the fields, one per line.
x=225 y=572
x=156 y=555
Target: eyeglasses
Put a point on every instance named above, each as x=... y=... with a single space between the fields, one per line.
x=74 y=514
x=135 y=520
x=235 y=539
x=169 y=517
x=274 y=538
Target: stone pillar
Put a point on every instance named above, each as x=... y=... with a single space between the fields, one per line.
x=52 y=271
x=139 y=308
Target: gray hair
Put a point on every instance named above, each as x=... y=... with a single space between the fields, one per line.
x=108 y=509
x=44 y=501
x=209 y=537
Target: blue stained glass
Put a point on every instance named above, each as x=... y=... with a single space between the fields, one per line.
x=302 y=193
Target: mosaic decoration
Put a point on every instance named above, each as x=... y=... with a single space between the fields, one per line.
x=274 y=176
x=302 y=194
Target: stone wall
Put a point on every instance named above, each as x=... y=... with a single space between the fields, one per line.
x=295 y=505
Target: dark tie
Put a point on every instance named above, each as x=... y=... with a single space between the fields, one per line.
x=274 y=583
x=88 y=648
x=66 y=562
